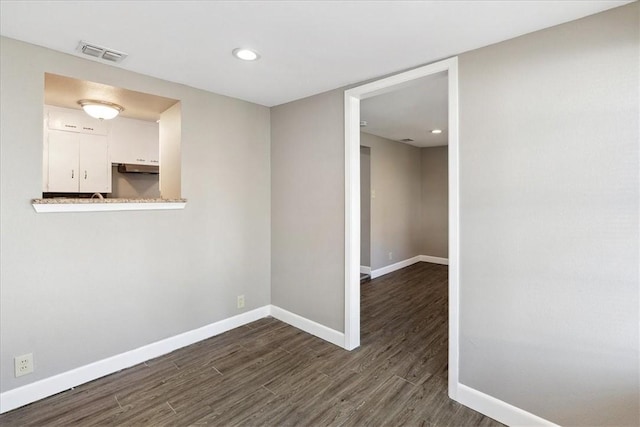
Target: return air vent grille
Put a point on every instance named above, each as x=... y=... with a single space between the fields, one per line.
x=101 y=52
x=406 y=140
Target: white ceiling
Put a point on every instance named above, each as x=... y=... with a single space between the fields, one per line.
x=411 y=112
x=307 y=47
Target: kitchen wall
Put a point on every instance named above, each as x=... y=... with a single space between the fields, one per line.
x=110 y=282
x=395 y=210
x=434 y=202
x=548 y=209
x=134 y=185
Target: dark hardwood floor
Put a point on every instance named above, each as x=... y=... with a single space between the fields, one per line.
x=268 y=373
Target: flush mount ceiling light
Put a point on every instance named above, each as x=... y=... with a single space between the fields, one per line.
x=245 y=54
x=436 y=131
x=102 y=110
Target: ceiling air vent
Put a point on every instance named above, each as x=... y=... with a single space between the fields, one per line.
x=100 y=52
x=406 y=140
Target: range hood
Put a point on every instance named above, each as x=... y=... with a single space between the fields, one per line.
x=129 y=168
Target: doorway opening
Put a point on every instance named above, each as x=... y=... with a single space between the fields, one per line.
x=352 y=201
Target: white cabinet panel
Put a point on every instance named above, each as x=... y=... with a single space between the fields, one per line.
x=75 y=121
x=63 y=162
x=77 y=163
x=134 y=141
x=95 y=168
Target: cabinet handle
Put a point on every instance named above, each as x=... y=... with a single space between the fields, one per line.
x=85 y=174
x=71 y=173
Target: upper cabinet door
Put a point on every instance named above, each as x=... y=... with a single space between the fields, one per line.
x=75 y=121
x=95 y=168
x=63 y=162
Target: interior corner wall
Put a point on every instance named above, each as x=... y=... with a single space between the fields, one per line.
x=549 y=197
x=307 y=208
x=434 y=201
x=110 y=282
x=395 y=210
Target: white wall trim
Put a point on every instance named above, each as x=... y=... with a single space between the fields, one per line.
x=365 y=270
x=497 y=409
x=434 y=259
x=106 y=207
x=351 y=219
x=29 y=393
x=393 y=267
x=309 y=326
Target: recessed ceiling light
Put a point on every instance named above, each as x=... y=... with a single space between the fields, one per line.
x=436 y=131
x=245 y=54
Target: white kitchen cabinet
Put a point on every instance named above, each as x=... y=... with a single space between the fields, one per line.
x=74 y=121
x=134 y=142
x=77 y=163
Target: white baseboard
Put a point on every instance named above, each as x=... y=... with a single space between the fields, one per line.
x=434 y=259
x=320 y=331
x=49 y=386
x=393 y=267
x=497 y=409
x=365 y=270
x=406 y=263
x=12 y=399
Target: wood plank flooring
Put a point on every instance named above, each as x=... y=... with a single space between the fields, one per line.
x=268 y=373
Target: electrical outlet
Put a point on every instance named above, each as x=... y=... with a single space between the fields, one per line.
x=240 y=301
x=23 y=364
x=390 y=255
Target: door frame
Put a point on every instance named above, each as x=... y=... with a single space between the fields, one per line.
x=352 y=98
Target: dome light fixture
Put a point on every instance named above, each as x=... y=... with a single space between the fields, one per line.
x=102 y=110
x=436 y=131
x=245 y=54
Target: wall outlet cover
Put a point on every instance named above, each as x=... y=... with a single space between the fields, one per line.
x=23 y=364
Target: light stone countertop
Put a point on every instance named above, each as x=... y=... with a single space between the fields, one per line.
x=64 y=200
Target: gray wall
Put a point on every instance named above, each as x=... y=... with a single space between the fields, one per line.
x=307 y=208
x=109 y=282
x=434 y=202
x=395 y=210
x=549 y=217
x=549 y=220
x=365 y=206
